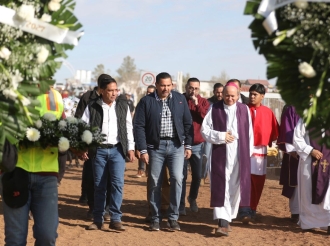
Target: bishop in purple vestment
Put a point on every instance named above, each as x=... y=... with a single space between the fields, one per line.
x=228 y=127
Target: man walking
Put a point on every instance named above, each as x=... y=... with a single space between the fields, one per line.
x=313 y=179
x=228 y=127
x=37 y=184
x=164 y=133
x=265 y=130
x=198 y=107
x=113 y=117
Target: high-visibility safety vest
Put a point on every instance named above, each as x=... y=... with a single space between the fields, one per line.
x=40 y=159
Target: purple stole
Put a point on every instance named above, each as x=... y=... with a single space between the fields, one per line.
x=289 y=168
x=218 y=162
x=320 y=173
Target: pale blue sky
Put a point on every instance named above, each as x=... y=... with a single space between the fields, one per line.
x=193 y=36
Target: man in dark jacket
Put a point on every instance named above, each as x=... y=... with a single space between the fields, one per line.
x=87 y=181
x=198 y=107
x=111 y=114
x=164 y=133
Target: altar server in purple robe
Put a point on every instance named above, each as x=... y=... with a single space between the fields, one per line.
x=228 y=127
x=290 y=160
x=313 y=180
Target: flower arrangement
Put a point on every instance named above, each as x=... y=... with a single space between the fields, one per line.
x=297 y=50
x=34 y=36
x=64 y=134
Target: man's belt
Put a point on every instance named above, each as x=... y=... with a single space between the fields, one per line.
x=168 y=138
x=108 y=146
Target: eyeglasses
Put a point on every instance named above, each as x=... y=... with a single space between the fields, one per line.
x=193 y=89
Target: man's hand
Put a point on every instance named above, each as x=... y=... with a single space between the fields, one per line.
x=229 y=138
x=145 y=158
x=130 y=155
x=294 y=154
x=187 y=153
x=83 y=156
x=316 y=154
x=137 y=154
x=195 y=99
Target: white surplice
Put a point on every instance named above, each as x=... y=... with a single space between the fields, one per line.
x=232 y=192
x=310 y=215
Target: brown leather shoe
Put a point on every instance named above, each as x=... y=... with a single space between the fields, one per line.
x=96 y=226
x=116 y=225
x=221 y=231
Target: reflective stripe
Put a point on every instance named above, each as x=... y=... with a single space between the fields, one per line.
x=51 y=102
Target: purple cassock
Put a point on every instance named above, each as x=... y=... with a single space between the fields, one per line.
x=289 y=168
x=320 y=173
x=218 y=161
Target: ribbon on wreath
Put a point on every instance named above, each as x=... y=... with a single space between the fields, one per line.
x=40 y=28
x=267 y=7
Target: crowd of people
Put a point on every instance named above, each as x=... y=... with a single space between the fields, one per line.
x=225 y=136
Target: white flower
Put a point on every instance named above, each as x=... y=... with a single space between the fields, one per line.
x=302 y=4
x=4 y=53
x=306 y=70
x=63 y=144
x=42 y=55
x=46 y=18
x=25 y=12
x=279 y=39
x=25 y=101
x=54 y=5
x=49 y=117
x=291 y=32
x=87 y=137
x=32 y=134
x=72 y=120
x=62 y=125
x=38 y=123
x=15 y=79
x=10 y=93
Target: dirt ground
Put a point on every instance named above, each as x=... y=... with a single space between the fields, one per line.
x=272 y=226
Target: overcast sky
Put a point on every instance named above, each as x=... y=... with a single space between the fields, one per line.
x=198 y=37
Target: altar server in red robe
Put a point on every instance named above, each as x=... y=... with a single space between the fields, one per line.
x=265 y=129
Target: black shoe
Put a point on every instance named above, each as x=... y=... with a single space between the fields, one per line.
x=295 y=218
x=174 y=225
x=83 y=199
x=154 y=226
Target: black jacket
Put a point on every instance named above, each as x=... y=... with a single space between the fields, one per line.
x=83 y=102
x=96 y=119
x=147 y=120
x=245 y=99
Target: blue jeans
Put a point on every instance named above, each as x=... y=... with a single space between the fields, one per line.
x=171 y=153
x=43 y=200
x=206 y=151
x=196 y=172
x=109 y=163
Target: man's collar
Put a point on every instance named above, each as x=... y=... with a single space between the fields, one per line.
x=158 y=99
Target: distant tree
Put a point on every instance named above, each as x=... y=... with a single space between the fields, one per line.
x=127 y=71
x=98 y=70
x=223 y=78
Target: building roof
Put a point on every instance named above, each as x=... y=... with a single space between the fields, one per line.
x=254 y=81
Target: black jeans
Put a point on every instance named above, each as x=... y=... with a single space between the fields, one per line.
x=61 y=165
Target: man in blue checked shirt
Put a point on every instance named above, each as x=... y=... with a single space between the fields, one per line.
x=163 y=133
